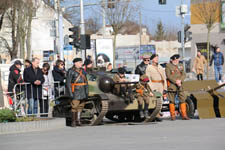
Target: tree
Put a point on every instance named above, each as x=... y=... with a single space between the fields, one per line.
x=92 y=25
x=207 y=12
x=160 y=33
x=19 y=15
x=117 y=16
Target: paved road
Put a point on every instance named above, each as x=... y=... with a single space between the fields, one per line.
x=208 y=134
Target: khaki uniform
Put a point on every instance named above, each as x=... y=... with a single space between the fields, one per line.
x=199 y=63
x=173 y=73
x=143 y=93
x=117 y=87
x=157 y=77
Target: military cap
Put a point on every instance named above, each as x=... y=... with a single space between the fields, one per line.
x=18 y=62
x=175 y=56
x=146 y=56
x=121 y=70
x=76 y=60
x=87 y=62
x=144 y=78
x=153 y=56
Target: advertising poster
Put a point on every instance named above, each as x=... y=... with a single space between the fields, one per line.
x=147 y=50
x=104 y=51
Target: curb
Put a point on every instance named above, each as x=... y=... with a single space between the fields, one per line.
x=19 y=127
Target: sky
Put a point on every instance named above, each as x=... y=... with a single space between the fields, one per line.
x=151 y=12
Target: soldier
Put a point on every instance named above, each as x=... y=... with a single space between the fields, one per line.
x=122 y=89
x=77 y=88
x=157 y=78
x=143 y=94
x=175 y=76
x=141 y=68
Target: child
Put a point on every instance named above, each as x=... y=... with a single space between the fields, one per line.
x=143 y=94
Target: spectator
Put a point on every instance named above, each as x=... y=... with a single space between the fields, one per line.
x=59 y=75
x=141 y=68
x=15 y=76
x=27 y=63
x=48 y=87
x=198 y=66
x=218 y=59
x=109 y=67
x=34 y=76
x=88 y=64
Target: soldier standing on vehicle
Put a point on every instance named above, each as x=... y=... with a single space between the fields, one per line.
x=144 y=93
x=77 y=88
x=157 y=78
x=198 y=66
x=175 y=76
x=141 y=68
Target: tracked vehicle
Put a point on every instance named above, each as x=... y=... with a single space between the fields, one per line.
x=103 y=103
x=207 y=97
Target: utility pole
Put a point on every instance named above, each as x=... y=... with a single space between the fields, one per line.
x=183 y=11
x=82 y=26
x=59 y=30
x=103 y=17
x=140 y=33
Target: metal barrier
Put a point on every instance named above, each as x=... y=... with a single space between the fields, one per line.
x=43 y=103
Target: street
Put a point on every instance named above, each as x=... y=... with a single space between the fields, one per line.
x=207 y=134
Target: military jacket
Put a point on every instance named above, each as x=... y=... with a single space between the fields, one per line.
x=77 y=76
x=116 y=79
x=143 y=89
x=173 y=73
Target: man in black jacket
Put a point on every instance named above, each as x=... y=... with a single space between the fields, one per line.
x=34 y=76
x=141 y=68
x=15 y=76
x=77 y=89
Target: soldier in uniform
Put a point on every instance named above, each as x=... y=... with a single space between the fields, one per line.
x=175 y=75
x=157 y=78
x=77 y=88
x=143 y=95
x=123 y=90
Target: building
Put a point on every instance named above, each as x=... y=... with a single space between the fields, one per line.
x=199 y=29
x=43 y=39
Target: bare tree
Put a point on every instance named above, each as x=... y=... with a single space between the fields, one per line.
x=117 y=15
x=92 y=25
x=207 y=12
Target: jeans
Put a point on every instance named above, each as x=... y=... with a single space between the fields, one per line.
x=32 y=106
x=218 y=72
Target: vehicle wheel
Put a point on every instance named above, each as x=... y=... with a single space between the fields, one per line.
x=190 y=107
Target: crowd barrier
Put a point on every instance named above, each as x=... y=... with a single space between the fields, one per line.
x=39 y=107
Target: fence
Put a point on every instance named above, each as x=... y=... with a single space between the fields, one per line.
x=38 y=105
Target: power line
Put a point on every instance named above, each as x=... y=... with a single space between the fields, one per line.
x=163 y=11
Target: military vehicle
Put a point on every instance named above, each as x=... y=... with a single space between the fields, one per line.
x=102 y=102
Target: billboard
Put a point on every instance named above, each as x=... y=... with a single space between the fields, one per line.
x=147 y=50
x=104 y=51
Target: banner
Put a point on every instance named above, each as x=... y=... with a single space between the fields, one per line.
x=104 y=52
x=147 y=50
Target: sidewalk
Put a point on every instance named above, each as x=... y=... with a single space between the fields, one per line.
x=18 y=127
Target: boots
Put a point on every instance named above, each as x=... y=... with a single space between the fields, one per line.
x=78 y=123
x=73 y=118
x=146 y=114
x=141 y=113
x=172 y=111
x=183 y=111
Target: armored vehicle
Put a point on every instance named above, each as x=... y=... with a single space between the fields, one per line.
x=102 y=102
x=205 y=96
